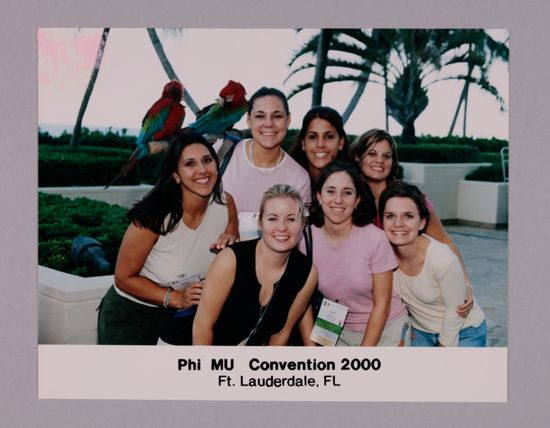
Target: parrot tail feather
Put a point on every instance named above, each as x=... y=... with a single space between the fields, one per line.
x=126 y=168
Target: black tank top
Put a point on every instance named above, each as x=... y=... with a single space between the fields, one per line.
x=241 y=310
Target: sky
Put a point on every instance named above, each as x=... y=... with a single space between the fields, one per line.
x=131 y=78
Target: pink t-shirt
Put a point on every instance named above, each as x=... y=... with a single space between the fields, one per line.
x=345 y=271
x=247 y=184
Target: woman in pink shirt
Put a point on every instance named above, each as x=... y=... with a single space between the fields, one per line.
x=354 y=260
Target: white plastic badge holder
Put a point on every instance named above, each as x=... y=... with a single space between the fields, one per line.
x=182 y=283
x=329 y=323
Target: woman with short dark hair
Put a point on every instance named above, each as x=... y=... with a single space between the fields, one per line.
x=321 y=140
x=429 y=278
x=354 y=259
x=260 y=162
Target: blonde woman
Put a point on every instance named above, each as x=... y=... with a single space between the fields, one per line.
x=256 y=291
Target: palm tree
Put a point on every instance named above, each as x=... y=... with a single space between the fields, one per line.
x=419 y=58
x=168 y=68
x=89 y=89
x=482 y=51
x=363 y=50
x=323 y=44
x=378 y=46
x=405 y=61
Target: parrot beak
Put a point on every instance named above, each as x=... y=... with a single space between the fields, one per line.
x=221 y=101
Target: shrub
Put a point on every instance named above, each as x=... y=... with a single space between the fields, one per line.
x=483 y=144
x=90 y=138
x=60 y=220
x=91 y=166
x=438 y=153
x=486 y=173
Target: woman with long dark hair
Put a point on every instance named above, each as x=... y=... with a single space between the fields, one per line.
x=321 y=140
x=169 y=238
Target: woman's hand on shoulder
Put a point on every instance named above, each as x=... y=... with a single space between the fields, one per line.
x=223 y=241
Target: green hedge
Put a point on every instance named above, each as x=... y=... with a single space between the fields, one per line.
x=438 y=153
x=101 y=155
x=60 y=220
x=483 y=144
x=91 y=166
x=90 y=138
x=486 y=173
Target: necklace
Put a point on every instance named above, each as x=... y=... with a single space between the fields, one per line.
x=268 y=170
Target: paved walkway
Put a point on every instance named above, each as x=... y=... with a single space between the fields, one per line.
x=485 y=253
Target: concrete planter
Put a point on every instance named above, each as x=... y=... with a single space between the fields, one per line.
x=67 y=303
x=67 y=306
x=440 y=183
x=483 y=203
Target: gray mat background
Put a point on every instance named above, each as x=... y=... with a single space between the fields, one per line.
x=529 y=383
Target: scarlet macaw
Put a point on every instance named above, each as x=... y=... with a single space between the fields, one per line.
x=218 y=118
x=161 y=121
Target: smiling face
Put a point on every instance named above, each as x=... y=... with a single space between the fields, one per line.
x=281 y=224
x=377 y=161
x=268 y=121
x=197 y=172
x=338 y=198
x=401 y=220
x=321 y=143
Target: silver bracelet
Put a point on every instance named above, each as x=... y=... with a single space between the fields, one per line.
x=167 y=296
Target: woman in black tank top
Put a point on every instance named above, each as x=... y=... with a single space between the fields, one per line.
x=255 y=291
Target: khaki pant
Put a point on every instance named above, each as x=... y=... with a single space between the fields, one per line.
x=395 y=333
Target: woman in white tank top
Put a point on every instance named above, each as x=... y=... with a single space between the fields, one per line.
x=171 y=236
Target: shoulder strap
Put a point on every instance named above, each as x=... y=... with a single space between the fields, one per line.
x=309 y=242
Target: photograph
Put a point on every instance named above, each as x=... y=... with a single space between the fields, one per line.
x=340 y=190
x=84 y=78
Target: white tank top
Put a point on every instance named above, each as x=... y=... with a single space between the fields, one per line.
x=184 y=250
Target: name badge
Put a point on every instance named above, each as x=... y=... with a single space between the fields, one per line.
x=182 y=283
x=329 y=323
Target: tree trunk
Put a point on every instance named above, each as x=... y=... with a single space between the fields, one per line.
x=408 y=134
x=387 y=114
x=466 y=90
x=323 y=44
x=354 y=100
x=168 y=68
x=90 y=88
x=463 y=97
